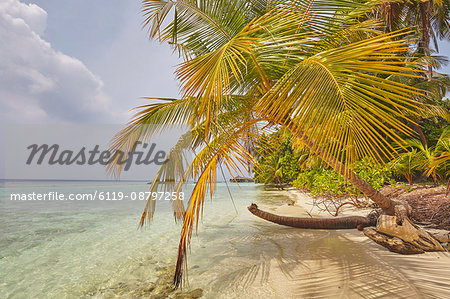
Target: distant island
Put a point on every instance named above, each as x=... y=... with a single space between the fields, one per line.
x=240 y=179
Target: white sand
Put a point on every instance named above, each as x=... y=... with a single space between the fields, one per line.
x=301 y=263
x=304 y=207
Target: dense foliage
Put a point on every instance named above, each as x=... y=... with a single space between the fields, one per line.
x=433 y=127
x=421 y=162
x=282 y=162
x=322 y=181
x=278 y=161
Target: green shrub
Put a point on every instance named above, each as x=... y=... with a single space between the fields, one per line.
x=328 y=182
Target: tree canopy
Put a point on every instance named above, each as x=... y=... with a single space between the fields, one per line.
x=323 y=69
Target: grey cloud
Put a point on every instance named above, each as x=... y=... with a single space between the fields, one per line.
x=38 y=83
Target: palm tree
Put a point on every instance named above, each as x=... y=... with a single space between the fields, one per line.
x=429 y=161
x=432 y=22
x=407 y=164
x=273 y=172
x=430 y=17
x=309 y=66
x=277 y=159
x=441 y=158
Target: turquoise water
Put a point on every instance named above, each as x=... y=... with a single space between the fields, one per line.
x=74 y=249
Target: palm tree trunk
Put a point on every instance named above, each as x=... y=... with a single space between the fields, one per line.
x=424 y=45
x=386 y=204
x=280 y=185
x=316 y=223
x=419 y=131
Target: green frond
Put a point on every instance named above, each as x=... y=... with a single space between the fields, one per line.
x=177 y=169
x=226 y=148
x=442 y=154
x=342 y=94
x=197 y=27
x=150 y=120
x=208 y=77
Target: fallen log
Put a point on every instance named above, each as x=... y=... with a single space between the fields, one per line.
x=350 y=222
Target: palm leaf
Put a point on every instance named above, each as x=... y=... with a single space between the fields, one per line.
x=226 y=148
x=150 y=120
x=347 y=82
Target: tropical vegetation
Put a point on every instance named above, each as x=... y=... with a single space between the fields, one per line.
x=280 y=161
x=324 y=70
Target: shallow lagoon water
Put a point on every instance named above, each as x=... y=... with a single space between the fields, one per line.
x=94 y=249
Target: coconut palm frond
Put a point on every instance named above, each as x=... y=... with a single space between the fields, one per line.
x=350 y=81
x=433 y=110
x=442 y=154
x=197 y=26
x=443 y=158
x=150 y=120
x=171 y=170
x=226 y=148
x=177 y=170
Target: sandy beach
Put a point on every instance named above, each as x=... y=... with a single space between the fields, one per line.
x=94 y=250
x=300 y=263
x=304 y=207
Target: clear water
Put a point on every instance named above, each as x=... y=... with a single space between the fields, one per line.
x=75 y=249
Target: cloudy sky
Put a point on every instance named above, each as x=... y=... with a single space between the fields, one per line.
x=81 y=62
x=78 y=61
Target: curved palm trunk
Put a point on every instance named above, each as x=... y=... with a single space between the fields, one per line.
x=419 y=131
x=386 y=204
x=315 y=223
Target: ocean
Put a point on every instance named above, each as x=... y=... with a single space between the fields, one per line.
x=93 y=248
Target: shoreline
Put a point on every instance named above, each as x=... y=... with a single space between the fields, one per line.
x=234 y=255
x=304 y=207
